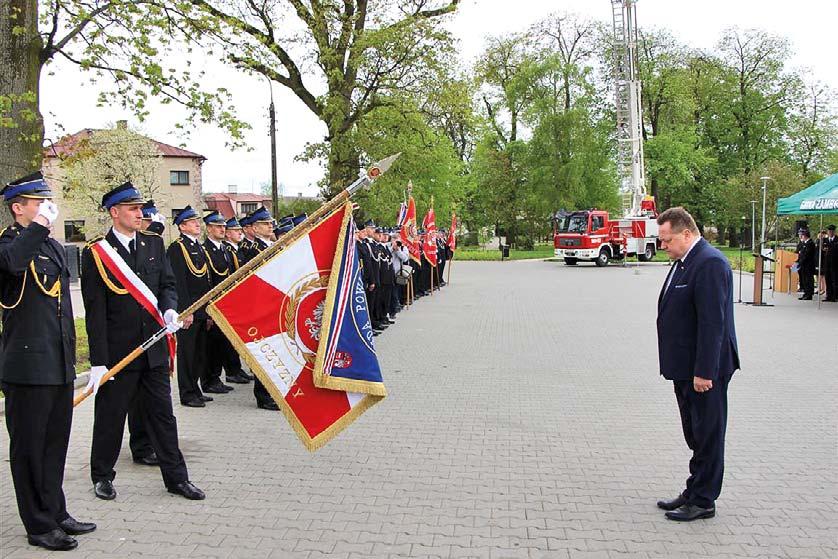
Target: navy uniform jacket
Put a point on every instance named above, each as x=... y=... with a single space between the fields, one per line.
x=247 y=250
x=807 y=257
x=38 y=342
x=189 y=264
x=696 y=333
x=116 y=323
x=220 y=260
x=235 y=254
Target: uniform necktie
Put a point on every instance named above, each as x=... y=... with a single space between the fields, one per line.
x=131 y=248
x=675 y=269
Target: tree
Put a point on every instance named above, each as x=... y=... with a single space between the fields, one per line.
x=130 y=43
x=358 y=51
x=813 y=129
x=108 y=158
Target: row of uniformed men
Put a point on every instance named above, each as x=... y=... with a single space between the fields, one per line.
x=38 y=343
x=391 y=277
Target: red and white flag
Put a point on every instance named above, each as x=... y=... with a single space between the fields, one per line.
x=274 y=318
x=429 y=242
x=407 y=233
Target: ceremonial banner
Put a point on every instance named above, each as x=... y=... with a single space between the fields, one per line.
x=452 y=233
x=429 y=241
x=401 y=215
x=298 y=322
x=408 y=231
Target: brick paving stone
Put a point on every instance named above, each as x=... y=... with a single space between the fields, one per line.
x=525 y=419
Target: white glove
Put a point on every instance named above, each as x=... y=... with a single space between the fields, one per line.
x=171 y=319
x=48 y=210
x=96 y=374
x=159 y=218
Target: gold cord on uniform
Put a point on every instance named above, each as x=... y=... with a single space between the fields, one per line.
x=209 y=261
x=198 y=272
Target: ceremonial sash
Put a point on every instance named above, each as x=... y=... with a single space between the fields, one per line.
x=136 y=287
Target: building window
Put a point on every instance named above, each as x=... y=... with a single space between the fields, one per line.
x=178 y=178
x=248 y=207
x=74 y=231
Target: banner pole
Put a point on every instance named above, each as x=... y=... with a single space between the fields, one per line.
x=450 y=265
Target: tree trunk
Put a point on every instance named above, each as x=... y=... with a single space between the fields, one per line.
x=22 y=135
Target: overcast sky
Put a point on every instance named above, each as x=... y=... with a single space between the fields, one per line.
x=69 y=104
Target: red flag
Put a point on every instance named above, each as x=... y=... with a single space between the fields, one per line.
x=408 y=231
x=429 y=243
x=452 y=237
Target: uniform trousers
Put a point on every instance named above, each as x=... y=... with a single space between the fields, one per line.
x=139 y=440
x=152 y=389
x=191 y=359
x=38 y=418
x=704 y=422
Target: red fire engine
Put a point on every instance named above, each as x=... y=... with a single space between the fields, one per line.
x=590 y=236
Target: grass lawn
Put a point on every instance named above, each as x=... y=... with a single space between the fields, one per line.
x=473 y=253
x=82 y=351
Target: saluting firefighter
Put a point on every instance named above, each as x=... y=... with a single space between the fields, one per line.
x=222 y=262
x=261 y=224
x=189 y=264
x=119 y=319
x=37 y=363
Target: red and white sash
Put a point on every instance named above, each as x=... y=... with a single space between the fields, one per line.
x=120 y=269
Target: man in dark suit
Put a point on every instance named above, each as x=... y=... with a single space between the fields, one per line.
x=118 y=322
x=189 y=264
x=37 y=363
x=807 y=262
x=697 y=350
x=232 y=244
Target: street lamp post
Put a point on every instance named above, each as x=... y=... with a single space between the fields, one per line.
x=753 y=225
x=274 y=182
x=764 y=190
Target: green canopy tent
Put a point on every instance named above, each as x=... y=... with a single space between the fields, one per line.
x=819 y=199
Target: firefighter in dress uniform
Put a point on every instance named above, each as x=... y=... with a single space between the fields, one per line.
x=117 y=323
x=37 y=363
x=189 y=263
x=232 y=241
x=141 y=450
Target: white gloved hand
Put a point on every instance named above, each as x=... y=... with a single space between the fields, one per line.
x=172 y=323
x=48 y=210
x=158 y=218
x=96 y=374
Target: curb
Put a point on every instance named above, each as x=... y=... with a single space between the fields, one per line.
x=81 y=380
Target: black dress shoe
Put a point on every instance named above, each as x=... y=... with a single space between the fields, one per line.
x=197 y=403
x=54 y=540
x=391 y=321
x=218 y=388
x=205 y=398
x=673 y=504
x=267 y=406
x=237 y=379
x=104 y=490
x=73 y=527
x=186 y=489
x=246 y=375
x=147 y=460
x=804 y=298
x=688 y=513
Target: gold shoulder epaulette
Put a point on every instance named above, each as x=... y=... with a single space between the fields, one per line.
x=152 y=233
x=93 y=241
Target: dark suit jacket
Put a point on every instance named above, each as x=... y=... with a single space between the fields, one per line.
x=38 y=344
x=807 y=257
x=221 y=260
x=190 y=287
x=117 y=324
x=696 y=333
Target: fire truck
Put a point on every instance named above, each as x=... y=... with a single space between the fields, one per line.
x=591 y=235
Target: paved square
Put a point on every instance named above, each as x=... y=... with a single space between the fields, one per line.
x=526 y=418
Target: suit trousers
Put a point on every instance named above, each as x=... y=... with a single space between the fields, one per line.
x=38 y=419
x=191 y=359
x=154 y=394
x=704 y=422
x=217 y=345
